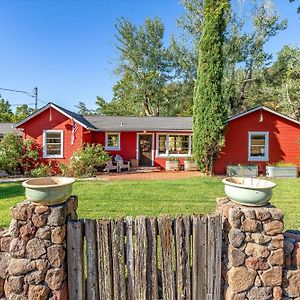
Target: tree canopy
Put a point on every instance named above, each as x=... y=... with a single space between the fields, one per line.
x=154 y=79
x=8 y=116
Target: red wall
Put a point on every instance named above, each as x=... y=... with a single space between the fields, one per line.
x=283 y=137
x=127 y=146
x=52 y=119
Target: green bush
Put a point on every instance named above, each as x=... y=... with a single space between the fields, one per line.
x=172 y=159
x=41 y=171
x=10 y=153
x=64 y=169
x=85 y=161
x=282 y=164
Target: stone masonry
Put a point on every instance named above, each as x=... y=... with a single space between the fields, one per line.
x=33 y=252
x=259 y=260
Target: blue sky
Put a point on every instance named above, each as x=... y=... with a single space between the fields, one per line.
x=66 y=48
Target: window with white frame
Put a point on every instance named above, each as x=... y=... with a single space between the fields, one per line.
x=112 y=141
x=258 y=146
x=174 y=145
x=53 y=144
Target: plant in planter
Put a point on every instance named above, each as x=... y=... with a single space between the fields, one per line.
x=242 y=170
x=190 y=164
x=282 y=169
x=172 y=164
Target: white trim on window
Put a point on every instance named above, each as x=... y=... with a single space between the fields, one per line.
x=266 y=154
x=167 y=145
x=45 y=155
x=116 y=148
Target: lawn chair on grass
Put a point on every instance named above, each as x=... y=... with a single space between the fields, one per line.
x=111 y=166
x=122 y=164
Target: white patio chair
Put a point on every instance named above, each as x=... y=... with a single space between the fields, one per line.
x=110 y=166
x=122 y=164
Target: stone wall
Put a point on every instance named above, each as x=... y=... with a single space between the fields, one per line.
x=33 y=252
x=260 y=260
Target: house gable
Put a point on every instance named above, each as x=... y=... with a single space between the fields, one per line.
x=51 y=119
x=71 y=115
x=262 y=108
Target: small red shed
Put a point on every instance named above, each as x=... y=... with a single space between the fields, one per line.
x=259 y=135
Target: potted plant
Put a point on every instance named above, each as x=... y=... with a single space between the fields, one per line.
x=190 y=164
x=172 y=164
x=243 y=170
x=248 y=191
x=282 y=169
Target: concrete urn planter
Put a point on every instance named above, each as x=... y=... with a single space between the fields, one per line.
x=48 y=190
x=172 y=165
x=282 y=171
x=248 y=191
x=190 y=165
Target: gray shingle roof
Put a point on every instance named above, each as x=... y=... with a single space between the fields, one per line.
x=120 y=123
x=76 y=116
x=7 y=128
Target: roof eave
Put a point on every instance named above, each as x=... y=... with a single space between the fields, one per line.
x=50 y=104
x=264 y=108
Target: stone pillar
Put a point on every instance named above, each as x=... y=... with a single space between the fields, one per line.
x=33 y=257
x=291 y=274
x=253 y=256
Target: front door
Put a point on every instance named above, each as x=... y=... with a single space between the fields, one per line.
x=145 y=150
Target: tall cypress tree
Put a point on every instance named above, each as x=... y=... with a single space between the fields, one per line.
x=210 y=109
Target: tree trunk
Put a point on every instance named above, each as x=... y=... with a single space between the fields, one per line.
x=146 y=106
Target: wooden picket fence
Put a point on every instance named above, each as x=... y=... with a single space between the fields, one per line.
x=145 y=258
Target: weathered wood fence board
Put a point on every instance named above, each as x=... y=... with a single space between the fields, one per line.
x=104 y=260
x=145 y=258
x=75 y=257
x=92 y=291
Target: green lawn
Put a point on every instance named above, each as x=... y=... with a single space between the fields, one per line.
x=99 y=199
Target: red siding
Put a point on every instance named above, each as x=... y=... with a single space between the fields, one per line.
x=127 y=146
x=283 y=137
x=52 y=119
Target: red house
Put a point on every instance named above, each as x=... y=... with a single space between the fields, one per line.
x=259 y=135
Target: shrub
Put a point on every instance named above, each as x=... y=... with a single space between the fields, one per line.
x=85 y=161
x=31 y=156
x=282 y=164
x=41 y=171
x=189 y=158
x=64 y=170
x=172 y=159
x=10 y=153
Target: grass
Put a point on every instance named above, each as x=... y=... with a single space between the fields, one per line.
x=99 y=199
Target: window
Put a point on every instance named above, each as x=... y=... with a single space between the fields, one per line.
x=112 y=141
x=53 y=144
x=174 y=145
x=258 y=146
x=162 y=144
x=178 y=144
